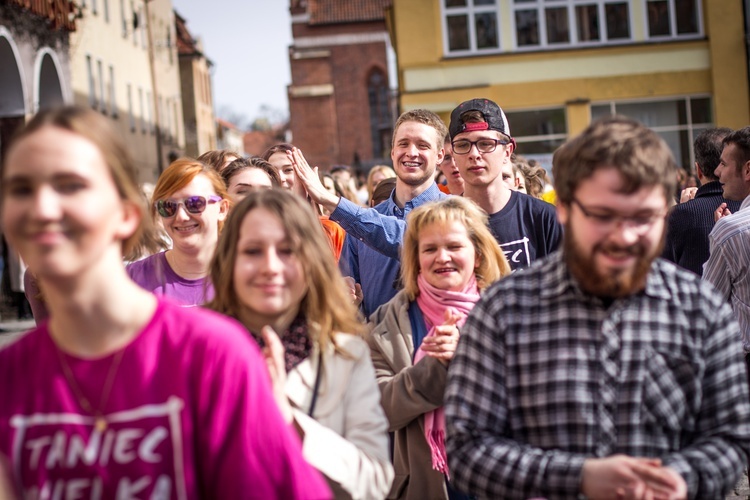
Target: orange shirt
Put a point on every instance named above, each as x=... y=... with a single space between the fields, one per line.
x=335 y=234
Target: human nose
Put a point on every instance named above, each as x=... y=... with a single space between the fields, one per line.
x=46 y=204
x=182 y=213
x=272 y=262
x=627 y=231
x=442 y=255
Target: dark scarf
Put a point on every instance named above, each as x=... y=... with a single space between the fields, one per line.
x=296 y=341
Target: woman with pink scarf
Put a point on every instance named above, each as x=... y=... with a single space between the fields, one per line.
x=448 y=257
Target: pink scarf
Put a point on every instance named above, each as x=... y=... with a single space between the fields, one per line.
x=433 y=303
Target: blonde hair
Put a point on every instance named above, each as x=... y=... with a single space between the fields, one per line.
x=492 y=264
x=387 y=171
x=326 y=306
x=181 y=173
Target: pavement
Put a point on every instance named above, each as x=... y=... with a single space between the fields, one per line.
x=13 y=328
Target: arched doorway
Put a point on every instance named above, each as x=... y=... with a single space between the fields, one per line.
x=12 y=101
x=49 y=85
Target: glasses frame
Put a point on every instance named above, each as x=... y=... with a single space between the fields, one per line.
x=472 y=144
x=640 y=224
x=159 y=205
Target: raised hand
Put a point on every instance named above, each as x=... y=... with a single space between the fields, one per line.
x=721 y=212
x=273 y=353
x=308 y=176
x=442 y=345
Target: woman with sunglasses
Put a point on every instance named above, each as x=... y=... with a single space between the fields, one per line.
x=274 y=272
x=120 y=393
x=448 y=257
x=191 y=201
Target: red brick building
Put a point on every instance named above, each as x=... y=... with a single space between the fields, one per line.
x=340 y=104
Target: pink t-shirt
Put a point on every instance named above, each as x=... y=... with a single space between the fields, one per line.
x=190 y=415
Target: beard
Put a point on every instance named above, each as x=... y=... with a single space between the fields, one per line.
x=613 y=283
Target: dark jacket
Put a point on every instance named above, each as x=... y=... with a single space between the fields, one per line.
x=690 y=223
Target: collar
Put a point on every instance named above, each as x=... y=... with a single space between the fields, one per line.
x=745 y=203
x=432 y=193
x=559 y=281
x=709 y=189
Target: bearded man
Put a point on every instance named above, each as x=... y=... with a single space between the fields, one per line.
x=601 y=370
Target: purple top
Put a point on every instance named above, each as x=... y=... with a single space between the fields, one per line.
x=155 y=275
x=190 y=415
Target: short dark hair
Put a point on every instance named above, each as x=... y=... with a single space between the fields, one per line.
x=283 y=147
x=707 y=146
x=741 y=139
x=241 y=164
x=638 y=153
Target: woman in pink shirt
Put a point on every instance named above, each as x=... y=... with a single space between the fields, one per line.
x=121 y=393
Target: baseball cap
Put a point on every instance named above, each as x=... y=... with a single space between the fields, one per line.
x=494 y=118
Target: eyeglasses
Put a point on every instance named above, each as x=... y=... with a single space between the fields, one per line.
x=608 y=221
x=192 y=204
x=463 y=146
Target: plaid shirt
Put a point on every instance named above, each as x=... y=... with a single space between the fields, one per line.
x=546 y=376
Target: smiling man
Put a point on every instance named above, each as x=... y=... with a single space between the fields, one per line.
x=525 y=227
x=602 y=370
x=728 y=266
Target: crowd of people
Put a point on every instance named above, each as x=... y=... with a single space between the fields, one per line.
x=459 y=326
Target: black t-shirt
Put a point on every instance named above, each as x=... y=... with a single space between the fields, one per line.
x=526 y=229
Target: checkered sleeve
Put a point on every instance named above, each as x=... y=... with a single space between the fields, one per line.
x=484 y=459
x=715 y=452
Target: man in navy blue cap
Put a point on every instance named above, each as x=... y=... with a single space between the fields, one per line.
x=526 y=228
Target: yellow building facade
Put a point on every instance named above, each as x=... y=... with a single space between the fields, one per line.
x=679 y=66
x=115 y=68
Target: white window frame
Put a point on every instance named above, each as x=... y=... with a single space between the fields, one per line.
x=673 y=23
x=100 y=74
x=540 y=5
x=112 y=95
x=142 y=110
x=522 y=139
x=470 y=10
x=689 y=127
x=130 y=107
x=124 y=19
x=92 y=83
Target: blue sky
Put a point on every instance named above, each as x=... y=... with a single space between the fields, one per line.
x=248 y=41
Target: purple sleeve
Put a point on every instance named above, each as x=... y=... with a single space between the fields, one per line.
x=246 y=445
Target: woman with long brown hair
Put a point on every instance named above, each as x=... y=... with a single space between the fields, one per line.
x=274 y=272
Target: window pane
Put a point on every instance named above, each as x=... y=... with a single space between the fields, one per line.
x=618 y=22
x=658 y=18
x=539 y=122
x=686 y=12
x=484 y=2
x=588 y=23
x=458 y=34
x=700 y=110
x=486 y=26
x=539 y=147
x=656 y=113
x=455 y=3
x=527 y=28
x=679 y=143
x=557 y=25
x=600 y=111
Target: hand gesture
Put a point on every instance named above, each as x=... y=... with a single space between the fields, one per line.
x=721 y=212
x=310 y=180
x=273 y=353
x=355 y=290
x=688 y=194
x=624 y=477
x=442 y=345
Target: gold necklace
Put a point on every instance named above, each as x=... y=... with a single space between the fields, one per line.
x=100 y=421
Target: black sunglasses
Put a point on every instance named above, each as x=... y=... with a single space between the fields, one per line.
x=193 y=204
